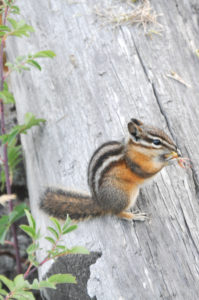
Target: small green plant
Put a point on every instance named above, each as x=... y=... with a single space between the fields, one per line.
x=11 y=156
x=20 y=288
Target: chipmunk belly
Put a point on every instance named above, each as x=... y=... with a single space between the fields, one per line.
x=124 y=179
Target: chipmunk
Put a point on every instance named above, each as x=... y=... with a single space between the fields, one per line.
x=116 y=172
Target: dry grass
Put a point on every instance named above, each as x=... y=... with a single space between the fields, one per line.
x=175 y=76
x=129 y=13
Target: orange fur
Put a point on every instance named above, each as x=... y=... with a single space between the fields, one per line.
x=123 y=178
x=144 y=159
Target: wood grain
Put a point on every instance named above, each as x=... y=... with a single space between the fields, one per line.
x=101 y=77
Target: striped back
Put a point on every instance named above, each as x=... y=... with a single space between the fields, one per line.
x=103 y=157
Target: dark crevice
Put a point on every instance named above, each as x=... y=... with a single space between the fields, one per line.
x=195 y=175
x=154 y=92
x=141 y=62
x=163 y=112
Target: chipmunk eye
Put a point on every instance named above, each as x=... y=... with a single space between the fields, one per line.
x=156 y=142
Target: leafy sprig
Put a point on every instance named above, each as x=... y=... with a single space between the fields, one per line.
x=13 y=149
x=21 y=62
x=57 y=231
x=11 y=154
x=7 y=220
x=19 y=288
x=29 y=121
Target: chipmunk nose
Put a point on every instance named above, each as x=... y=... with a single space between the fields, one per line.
x=179 y=152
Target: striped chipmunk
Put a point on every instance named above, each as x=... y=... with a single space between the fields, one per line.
x=116 y=172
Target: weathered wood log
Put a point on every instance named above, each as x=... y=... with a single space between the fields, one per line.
x=100 y=78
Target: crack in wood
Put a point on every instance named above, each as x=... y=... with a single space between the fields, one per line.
x=155 y=93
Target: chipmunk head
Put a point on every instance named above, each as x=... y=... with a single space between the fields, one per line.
x=152 y=142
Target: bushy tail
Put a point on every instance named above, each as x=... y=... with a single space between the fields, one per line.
x=58 y=203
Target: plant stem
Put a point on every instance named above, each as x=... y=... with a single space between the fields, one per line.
x=5 y=151
x=9 y=243
x=28 y=271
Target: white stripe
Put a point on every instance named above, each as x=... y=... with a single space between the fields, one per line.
x=162 y=140
x=97 y=156
x=106 y=163
x=145 y=143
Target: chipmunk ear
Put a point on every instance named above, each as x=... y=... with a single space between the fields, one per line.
x=134 y=128
x=137 y=122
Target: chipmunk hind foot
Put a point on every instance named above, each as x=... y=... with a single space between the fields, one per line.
x=133 y=216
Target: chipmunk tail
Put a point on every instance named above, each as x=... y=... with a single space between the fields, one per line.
x=59 y=203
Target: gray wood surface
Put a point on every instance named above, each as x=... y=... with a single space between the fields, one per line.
x=118 y=74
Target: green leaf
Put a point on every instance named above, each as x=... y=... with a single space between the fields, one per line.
x=20 y=58
x=42 y=284
x=61 y=247
x=62 y=278
x=3 y=233
x=67 y=223
x=17 y=213
x=32 y=248
x=51 y=240
x=22 y=67
x=20 y=28
x=34 y=64
x=23 y=295
x=15 y=10
x=32 y=259
x=45 y=53
x=20 y=283
x=69 y=229
x=56 y=223
x=12 y=22
x=9 y=283
x=30 y=121
x=35 y=284
x=4 y=220
x=54 y=232
x=4 y=227
x=14 y=155
x=28 y=230
x=78 y=250
x=3 y=292
x=9 y=138
x=4 y=28
x=31 y=220
x=54 y=253
x=6 y=96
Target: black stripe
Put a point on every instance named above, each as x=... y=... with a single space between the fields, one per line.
x=110 y=166
x=102 y=146
x=101 y=159
x=135 y=168
x=172 y=147
x=61 y=192
x=140 y=144
x=97 y=151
